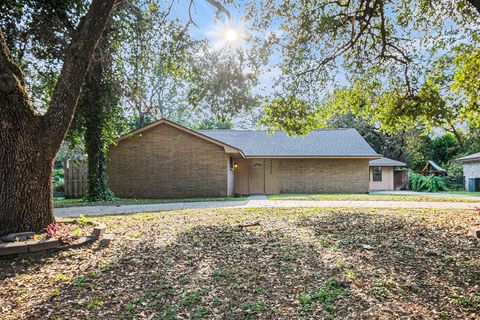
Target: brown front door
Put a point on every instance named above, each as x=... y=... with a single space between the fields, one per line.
x=257 y=177
x=400 y=179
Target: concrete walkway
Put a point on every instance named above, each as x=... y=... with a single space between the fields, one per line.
x=257 y=202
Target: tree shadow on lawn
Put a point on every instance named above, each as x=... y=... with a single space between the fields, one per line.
x=423 y=266
x=314 y=264
x=221 y=272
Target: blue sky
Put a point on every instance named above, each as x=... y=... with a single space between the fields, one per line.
x=203 y=14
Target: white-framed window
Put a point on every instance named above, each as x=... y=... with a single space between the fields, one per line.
x=232 y=164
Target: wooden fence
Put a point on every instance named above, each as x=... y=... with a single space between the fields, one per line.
x=75 y=178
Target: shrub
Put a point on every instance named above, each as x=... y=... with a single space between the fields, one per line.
x=419 y=182
x=454 y=178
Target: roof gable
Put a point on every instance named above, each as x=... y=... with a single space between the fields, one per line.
x=228 y=148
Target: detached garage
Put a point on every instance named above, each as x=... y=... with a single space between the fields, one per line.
x=166 y=160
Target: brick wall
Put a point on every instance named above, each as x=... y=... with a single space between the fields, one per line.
x=166 y=162
x=323 y=176
x=471 y=169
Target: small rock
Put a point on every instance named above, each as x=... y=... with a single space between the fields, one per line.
x=20 y=236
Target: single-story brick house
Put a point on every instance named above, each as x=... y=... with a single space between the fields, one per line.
x=384 y=175
x=471 y=171
x=166 y=160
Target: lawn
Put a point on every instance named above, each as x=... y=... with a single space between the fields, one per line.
x=368 y=197
x=297 y=264
x=61 y=202
x=467 y=193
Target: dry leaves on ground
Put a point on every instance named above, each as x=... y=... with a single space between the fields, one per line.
x=300 y=263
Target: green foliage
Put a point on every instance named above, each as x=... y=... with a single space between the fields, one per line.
x=99 y=119
x=253 y=307
x=36 y=33
x=151 y=61
x=372 y=66
x=454 y=179
x=212 y=124
x=294 y=116
x=419 y=182
x=82 y=220
x=392 y=146
x=466 y=81
x=218 y=82
x=445 y=148
x=58 y=182
x=326 y=295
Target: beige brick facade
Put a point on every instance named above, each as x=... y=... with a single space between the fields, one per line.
x=471 y=170
x=166 y=162
x=323 y=176
x=305 y=176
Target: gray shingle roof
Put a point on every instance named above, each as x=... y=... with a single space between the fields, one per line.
x=321 y=143
x=387 y=162
x=470 y=157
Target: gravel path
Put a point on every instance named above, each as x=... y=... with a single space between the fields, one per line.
x=256 y=202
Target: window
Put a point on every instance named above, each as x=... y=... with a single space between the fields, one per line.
x=377 y=173
x=231 y=163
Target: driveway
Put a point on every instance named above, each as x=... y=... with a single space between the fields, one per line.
x=258 y=202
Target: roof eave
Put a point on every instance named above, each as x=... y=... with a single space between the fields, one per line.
x=387 y=165
x=315 y=156
x=467 y=160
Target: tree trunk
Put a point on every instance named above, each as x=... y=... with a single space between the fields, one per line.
x=98 y=189
x=28 y=141
x=141 y=119
x=25 y=185
x=457 y=134
x=96 y=106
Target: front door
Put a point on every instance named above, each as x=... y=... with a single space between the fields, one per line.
x=400 y=179
x=257 y=176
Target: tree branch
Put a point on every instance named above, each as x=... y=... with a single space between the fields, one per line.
x=12 y=85
x=77 y=60
x=221 y=8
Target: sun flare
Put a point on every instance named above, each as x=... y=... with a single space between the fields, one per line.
x=231 y=35
x=228 y=35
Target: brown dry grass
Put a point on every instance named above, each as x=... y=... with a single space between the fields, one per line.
x=298 y=264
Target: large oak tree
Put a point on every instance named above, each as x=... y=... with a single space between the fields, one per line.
x=29 y=141
x=382 y=52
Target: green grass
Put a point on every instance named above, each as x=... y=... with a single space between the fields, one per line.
x=467 y=193
x=366 y=197
x=61 y=202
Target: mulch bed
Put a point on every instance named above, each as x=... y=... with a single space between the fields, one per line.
x=308 y=263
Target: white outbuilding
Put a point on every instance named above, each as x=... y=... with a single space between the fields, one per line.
x=471 y=171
